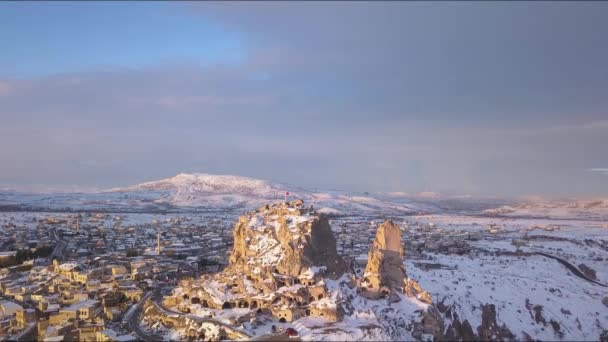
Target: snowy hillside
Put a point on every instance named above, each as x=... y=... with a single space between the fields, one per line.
x=562 y=209
x=211 y=192
x=206 y=192
x=220 y=191
x=200 y=183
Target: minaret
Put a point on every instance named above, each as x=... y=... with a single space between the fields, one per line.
x=77 y=225
x=158 y=243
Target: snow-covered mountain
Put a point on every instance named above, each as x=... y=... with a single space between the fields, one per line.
x=206 y=192
x=222 y=191
x=198 y=183
x=200 y=191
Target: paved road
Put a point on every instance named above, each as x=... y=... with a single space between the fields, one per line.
x=59 y=249
x=572 y=268
x=134 y=318
x=59 y=246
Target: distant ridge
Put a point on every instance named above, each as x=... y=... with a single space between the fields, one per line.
x=187 y=192
x=203 y=182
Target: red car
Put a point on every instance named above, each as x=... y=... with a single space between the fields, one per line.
x=291 y=332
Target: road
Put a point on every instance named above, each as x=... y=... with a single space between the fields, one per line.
x=60 y=245
x=134 y=317
x=572 y=268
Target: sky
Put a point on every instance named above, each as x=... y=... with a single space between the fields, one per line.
x=469 y=98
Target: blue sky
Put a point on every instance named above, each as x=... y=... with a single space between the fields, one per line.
x=481 y=98
x=47 y=38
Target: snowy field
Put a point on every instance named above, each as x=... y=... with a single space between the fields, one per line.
x=534 y=295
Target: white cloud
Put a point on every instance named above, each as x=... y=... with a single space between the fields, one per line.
x=596 y=124
x=603 y=171
x=557 y=129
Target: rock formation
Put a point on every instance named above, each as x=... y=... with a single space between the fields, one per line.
x=413 y=289
x=385 y=259
x=285 y=239
x=385 y=271
x=281 y=254
x=284 y=264
x=489 y=328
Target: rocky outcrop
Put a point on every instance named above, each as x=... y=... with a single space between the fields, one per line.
x=457 y=330
x=281 y=255
x=431 y=324
x=588 y=271
x=413 y=289
x=385 y=271
x=439 y=316
x=279 y=266
x=285 y=239
x=460 y=331
x=489 y=330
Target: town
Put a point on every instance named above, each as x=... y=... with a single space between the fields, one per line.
x=84 y=276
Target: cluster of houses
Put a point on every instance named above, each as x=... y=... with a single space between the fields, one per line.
x=354 y=236
x=63 y=301
x=99 y=266
x=93 y=234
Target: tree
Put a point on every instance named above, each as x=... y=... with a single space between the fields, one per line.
x=207 y=262
x=122 y=298
x=43 y=252
x=23 y=255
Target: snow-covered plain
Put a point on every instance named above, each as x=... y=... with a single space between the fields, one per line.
x=522 y=284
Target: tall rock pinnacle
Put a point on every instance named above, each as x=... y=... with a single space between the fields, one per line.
x=385 y=271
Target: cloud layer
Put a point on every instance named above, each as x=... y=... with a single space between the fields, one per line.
x=378 y=97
